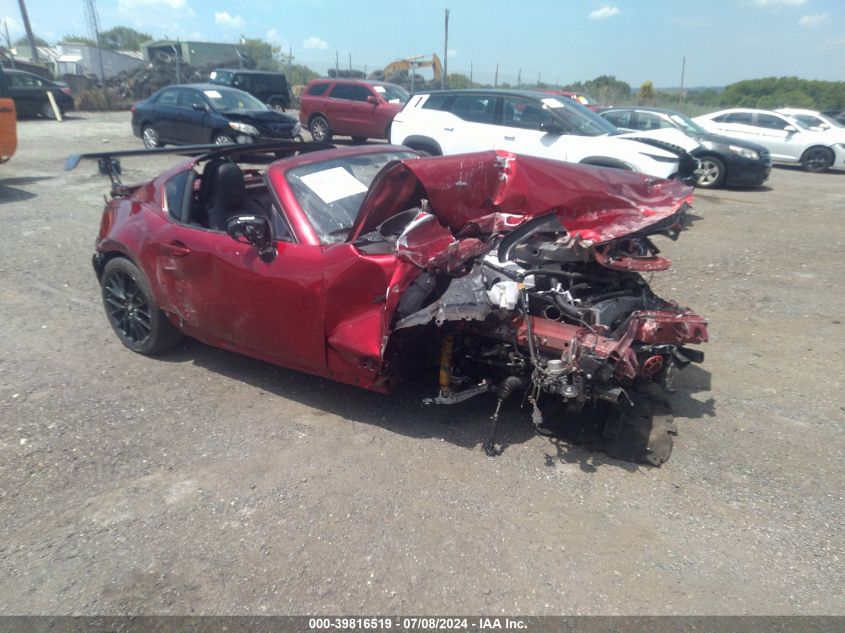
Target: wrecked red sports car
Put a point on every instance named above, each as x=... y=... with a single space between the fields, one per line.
x=501 y=274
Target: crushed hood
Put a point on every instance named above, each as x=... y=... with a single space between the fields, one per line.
x=592 y=203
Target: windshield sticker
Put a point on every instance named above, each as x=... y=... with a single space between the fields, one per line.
x=552 y=103
x=379 y=89
x=212 y=94
x=213 y=75
x=333 y=184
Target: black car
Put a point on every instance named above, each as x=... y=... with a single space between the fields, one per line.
x=271 y=88
x=29 y=93
x=202 y=113
x=724 y=160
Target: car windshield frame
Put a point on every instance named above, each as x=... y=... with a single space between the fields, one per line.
x=319 y=187
x=686 y=123
x=244 y=101
x=575 y=118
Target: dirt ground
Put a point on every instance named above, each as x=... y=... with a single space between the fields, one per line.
x=201 y=482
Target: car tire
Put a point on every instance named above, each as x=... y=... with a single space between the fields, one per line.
x=360 y=140
x=47 y=111
x=132 y=310
x=150 y=137
x=817 y=159
x=222 y=139
x=320 y=130
x=428 y=148
x=711 y=173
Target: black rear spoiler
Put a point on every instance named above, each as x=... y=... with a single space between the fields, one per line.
x=109 y=163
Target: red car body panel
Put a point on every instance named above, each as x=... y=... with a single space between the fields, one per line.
x=327 y=308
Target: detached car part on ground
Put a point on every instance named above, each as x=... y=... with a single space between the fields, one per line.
x=500 y=274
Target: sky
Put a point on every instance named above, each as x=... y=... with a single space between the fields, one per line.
x=556 y=41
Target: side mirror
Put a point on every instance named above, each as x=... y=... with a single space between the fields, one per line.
x=790 y=129
x=550 y=127
x=373 y=99
x=255 y=230
x=200 y=107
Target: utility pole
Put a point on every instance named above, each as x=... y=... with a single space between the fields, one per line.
x=496 y=78
x=538 y=80
x=681 y=91
x=28 y=28
x=350 y=61
x=519 y=78
x=9 y=43
x=470 y=74
x=94 y=27
x=445 y=75
x=337 y=64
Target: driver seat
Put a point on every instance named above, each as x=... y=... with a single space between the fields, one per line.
x=225 y=194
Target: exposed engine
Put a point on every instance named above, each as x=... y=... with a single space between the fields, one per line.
x=571 y=327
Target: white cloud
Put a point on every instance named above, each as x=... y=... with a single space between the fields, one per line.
x=453 y=52
x=14 y=26
x=315 y=42
x=228 y=21
x=604 y=13
x=813 y=21
x=779 y=3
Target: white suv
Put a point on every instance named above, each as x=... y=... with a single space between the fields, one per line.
x=788 y=140
x=531 y=123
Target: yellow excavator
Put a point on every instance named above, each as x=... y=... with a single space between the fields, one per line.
x=411 y=64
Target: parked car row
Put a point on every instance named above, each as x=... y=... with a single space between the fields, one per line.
x=735 y=147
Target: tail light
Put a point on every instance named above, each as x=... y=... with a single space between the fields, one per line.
x=132 y=109
x=66 y=90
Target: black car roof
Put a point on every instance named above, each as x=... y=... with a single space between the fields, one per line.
x=644 y=109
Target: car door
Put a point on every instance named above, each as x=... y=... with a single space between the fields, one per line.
x=778 y=134
x=471 y=127
x=340 y=109
x=228 y=296
x=27 y=91
x=738 y=125
x=166 y=114
x=195 y=125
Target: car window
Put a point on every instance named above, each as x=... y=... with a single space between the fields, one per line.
x=809 y=121
x=317 y=89
x=188 y=97
x=523 y=113
x=168 y=97
x=650 y=121
x=391 y=93
x=174 y=193
x=221 y=76
x=25 y=81
x=229 y=100
x=436 y=102
x=330 y=192
x=743 y=118
x=619 y=119
x=341 y=91
x=771 y=122
x=360 y=93
x=476 y=108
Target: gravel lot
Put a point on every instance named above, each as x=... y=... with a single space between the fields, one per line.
x=204 y=482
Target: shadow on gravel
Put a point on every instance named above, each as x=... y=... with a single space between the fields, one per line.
x=10 y=193
x=466 y=424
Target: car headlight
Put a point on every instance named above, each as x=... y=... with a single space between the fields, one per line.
x=744 y=152
x=244 y=128
x=297 y=128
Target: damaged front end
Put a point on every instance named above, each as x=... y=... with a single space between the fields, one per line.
x=529 y=275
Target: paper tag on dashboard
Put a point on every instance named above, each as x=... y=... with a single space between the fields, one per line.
x=333 y=184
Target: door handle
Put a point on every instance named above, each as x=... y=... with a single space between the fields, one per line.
x=510 y=138
x=175 y=249
x=449 y=129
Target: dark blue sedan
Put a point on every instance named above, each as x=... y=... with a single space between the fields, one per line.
x=193 y=114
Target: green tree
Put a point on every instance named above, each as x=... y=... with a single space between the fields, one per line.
x=299 y=74
x=458 y=80
x=646 y=94
x=39 y=41
x=606 y=88
x=260 y=55
x=77 y=39
x=123 y=38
